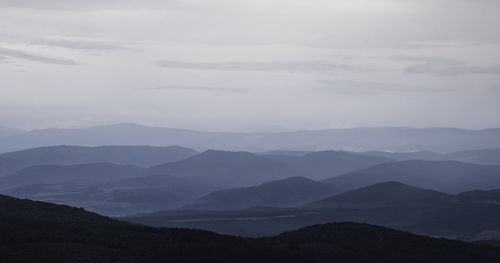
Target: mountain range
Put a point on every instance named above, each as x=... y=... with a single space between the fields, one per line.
x=357 y=139
x=445 y=176
x=391 y=204
x=480 y=156
x=142 y=156
x=117 y=189
x=289 y=192
x=4 y=131
x=240 y=180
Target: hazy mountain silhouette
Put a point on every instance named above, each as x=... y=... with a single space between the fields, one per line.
x=118 y=134
x=143 y=156
x=4 y=131
x=224 y=169
x=406 y=156
x=445 y=176
x=387 y=194
x=481 y=156
x=78 y=173
x=471 y=215
x=324 y=164
x=117 y=190
x=41 y=232
x=289 y=192
x=285 y=152
x=120 y=190
x=358 y=139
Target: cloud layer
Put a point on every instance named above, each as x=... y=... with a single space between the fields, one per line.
x=222 y=65
x=12 y=53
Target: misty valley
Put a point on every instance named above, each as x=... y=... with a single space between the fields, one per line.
x=314 y=204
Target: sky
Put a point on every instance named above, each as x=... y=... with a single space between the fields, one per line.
x=250 y=65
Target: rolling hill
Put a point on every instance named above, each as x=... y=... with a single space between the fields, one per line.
x=386 y=194
x=71 y=174
x=41 y=232
x=289 y=192
x=389 y=204
x=224 y=169
x=324 y=164
x=143 y=156
x=445 y=176
x=480 y=156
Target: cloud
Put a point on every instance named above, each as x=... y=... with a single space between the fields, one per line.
x=37 y=58
x=87 y=5
x=194 y=88
x=442 y=66
x=350 y=87
x=76 y=44
x=303 y=66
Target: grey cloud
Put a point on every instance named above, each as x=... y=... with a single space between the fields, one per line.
x=73 y=44
x=441 y=66
x=304 y=66
x=426 y=59
x=33 y=57
x=455 y=69
x=87 y=5
x=195 y=88
x=348 y=87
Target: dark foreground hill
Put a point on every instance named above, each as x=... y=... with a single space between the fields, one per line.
x=42 y=232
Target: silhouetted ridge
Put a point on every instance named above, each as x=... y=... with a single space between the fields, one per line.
x=144 y=156
x=479 y=156
x=288 y=192
x=227 y=169
x=41 y=232
x=445 y=176
x=387 y=194
x=359 y=139
x=324 y=164
x=78 y=173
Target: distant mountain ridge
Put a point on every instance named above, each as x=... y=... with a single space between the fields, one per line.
x=445 y=176
x=489 y=156
x=71 y=174
x=143 y=156
x=4 y=131
x=386 y=194
x=227 y=169
x=120 y=190
x=289 y=192
x=324 y=164
x=358 y=139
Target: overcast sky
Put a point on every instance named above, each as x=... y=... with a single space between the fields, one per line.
x=250 y=64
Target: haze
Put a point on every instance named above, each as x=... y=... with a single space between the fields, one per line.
x=250 y=65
